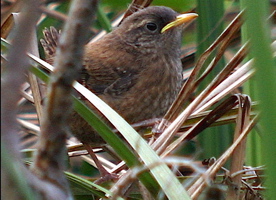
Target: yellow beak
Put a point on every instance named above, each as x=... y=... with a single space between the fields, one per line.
x=180 y=19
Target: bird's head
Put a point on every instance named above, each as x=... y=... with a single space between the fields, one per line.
x=154 y=28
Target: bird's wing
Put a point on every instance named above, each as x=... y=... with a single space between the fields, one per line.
x=103 y=76
x=121 y=85
x=111 y=83
x=111 y=71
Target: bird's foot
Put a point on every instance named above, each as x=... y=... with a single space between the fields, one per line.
x=105 y=175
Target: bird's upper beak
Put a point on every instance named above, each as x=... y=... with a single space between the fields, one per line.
x=180 y=19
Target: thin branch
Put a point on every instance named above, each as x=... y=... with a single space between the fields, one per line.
x=12 y=80
x=14 y=77
x=49 y=161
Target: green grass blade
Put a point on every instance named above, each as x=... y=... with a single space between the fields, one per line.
x=258 y=32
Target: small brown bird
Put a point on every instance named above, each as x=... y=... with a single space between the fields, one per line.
x=136 y=69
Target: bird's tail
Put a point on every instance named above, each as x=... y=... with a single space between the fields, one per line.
x=50 y=42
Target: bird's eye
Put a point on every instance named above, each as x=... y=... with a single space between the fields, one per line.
x=151 y=26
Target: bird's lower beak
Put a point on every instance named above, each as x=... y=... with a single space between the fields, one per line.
x=180 y=19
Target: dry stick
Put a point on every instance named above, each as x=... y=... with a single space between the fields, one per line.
x=49 y=161
x=198 y=186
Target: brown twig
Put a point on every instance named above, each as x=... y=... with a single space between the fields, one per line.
x=48 y=163
x=13 y=78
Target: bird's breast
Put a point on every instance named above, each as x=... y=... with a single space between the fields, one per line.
x=155 y=89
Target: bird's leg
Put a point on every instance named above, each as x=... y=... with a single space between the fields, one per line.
x=105 y=175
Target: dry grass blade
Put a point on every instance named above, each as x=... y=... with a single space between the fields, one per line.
x=190 y=85
x=7 y=26
x=7 y=10
x=215 y=114
x=54 y=13
x=226 y=72
x=29 y=125
x=36 y=93
x=238 y=160
x=224 y=39
x=26 y=94
x=229 y=117
x=224 y=88
x=13 y=20
x=199 y=185
x=77 y=149
x=231 y=65
x=244 y=73
x=36 y=86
